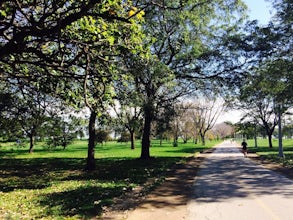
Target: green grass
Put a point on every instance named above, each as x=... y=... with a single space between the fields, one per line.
x=272 y=154
x=53 y=185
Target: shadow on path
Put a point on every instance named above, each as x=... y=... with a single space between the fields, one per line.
x=227 y=174
x=229 y=186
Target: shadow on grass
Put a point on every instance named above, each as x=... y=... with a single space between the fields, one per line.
x=85 y=201
x=40 y=173
x=34 y=173
x=112 y=178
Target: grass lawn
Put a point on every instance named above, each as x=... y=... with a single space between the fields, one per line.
x=272 y=153
x=51 y=184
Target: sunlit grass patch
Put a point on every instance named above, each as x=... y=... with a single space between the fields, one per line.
x=272 y=154
x=69 y=198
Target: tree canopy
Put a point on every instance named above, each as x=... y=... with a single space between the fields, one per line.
x=144 y=54
x=27 y=25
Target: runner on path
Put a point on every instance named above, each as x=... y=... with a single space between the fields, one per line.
x=229 y=187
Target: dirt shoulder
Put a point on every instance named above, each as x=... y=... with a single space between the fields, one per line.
x=279 y=168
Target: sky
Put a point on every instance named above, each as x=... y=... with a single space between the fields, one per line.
x=259 y=10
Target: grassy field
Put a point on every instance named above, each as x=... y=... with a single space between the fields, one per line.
x=272 y=153
x=51 y=184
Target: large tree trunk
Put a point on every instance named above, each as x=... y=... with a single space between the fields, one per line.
x=175 y=142
x=270 y=134
x=255 y=141
x=269 y=130
x=91 y=164
x=203 y=141
x=185 y=139
x=132 y=139
x=255 y=137
x=145 y=147
x=270 y=141
x=32 y=140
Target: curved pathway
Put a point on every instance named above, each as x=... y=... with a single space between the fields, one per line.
x=229 y=186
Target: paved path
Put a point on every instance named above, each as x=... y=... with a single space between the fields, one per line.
x=229 y=187
x=226 y=187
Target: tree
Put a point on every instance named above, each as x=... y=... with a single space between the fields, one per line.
x=188 y=122
x=61 y=130
x=276 y=79
x=282 y=21
x=224 y=130
x=267 y=88
x=10 y=130
x=102 y=136
x=182 y=123
x=288 y=128
x=175 y=125
x=73 y=45
x=28 y=26
x=157 y=89
x=129 y=118
x=164 y=122
x=246 y=128
x=99 y=45
x=259 y=104
x=208 y=111
x=34 y=35
x=188 y=37
x=30 y=110
x=128 y=110
x=184 y=39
